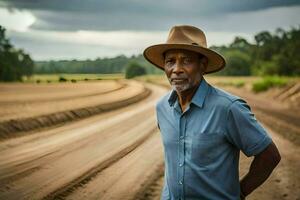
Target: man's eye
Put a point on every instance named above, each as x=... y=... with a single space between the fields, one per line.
x=187 y=60
x=168 y=61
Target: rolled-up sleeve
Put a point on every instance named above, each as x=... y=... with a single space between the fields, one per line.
x=244 y=131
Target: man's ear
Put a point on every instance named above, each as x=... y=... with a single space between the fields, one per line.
x=204 y=63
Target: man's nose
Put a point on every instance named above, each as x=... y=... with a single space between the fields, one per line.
x=177 y=68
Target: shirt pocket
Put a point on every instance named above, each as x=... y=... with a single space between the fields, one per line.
x=204 y=150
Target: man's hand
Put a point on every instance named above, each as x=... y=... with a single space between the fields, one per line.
x=260 y=169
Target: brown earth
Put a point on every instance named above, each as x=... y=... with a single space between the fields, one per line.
x=66 y=109
x=70 y=96
x=55 y=163
x=118 y=155
x=15 y=93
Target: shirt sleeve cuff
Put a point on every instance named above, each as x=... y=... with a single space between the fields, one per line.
x=258 y=148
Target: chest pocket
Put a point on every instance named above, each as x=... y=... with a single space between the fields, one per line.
x=205 y=148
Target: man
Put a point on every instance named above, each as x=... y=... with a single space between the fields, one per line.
x=203 y=128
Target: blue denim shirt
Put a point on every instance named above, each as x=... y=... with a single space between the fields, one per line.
x=202 y=144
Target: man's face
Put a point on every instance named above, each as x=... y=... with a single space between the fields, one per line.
x=183 y=68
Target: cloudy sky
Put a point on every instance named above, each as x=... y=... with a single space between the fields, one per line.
x=81 y=29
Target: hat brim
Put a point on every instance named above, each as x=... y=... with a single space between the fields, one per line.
x=154 y=54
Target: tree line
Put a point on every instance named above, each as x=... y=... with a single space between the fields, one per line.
x=271 y=54
x=117 y=64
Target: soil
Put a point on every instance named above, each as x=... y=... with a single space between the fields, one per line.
x=47 y=114
x=54 y=163
x=118 y=155
x=32 y=103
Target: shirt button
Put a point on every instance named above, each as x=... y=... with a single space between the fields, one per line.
x=181 y=137
x=180 y=182
x=180 y=164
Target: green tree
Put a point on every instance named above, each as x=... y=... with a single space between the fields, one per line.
x=238 y=64
x=134 y=69
x=241 y=44
x=14 y=63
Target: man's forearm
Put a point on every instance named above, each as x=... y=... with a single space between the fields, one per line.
x=255 y=177
x=260 y=169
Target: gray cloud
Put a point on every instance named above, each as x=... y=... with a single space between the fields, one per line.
x=133 y=14
x=54 y=33
x=203 y=6
x=42 y=46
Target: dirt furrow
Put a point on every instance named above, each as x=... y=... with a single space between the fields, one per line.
x=17 y=127
x=28 y=110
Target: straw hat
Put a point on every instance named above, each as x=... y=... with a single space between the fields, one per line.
x=188 y=38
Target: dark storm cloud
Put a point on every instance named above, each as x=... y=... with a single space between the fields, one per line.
x=205 y=6
x=132 y=14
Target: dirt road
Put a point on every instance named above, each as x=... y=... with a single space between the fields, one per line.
x=52 y=163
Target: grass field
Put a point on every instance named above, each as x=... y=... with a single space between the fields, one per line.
x=71 y=77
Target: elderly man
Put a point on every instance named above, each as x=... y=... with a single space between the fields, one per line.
x=203 y=128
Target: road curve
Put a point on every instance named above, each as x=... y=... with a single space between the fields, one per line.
x=53 y=162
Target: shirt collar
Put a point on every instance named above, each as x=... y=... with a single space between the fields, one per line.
x=198 y=98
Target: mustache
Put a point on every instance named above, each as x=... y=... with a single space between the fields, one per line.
x=178 y=77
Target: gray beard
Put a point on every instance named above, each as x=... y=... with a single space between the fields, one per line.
x=182 y=87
